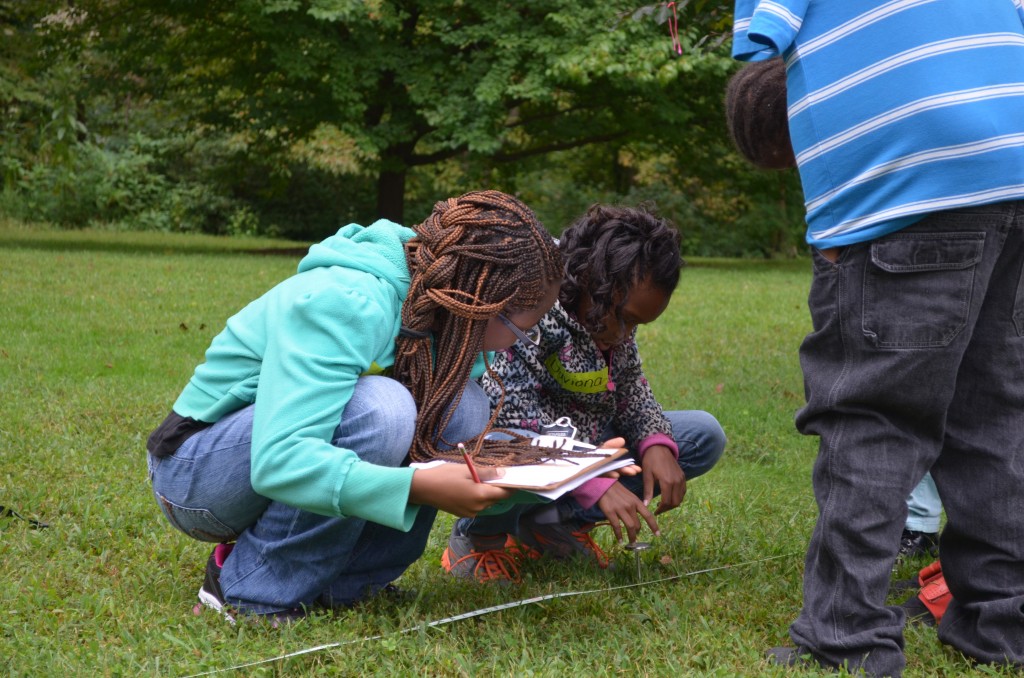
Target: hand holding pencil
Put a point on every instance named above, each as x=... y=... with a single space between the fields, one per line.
x=456 y=488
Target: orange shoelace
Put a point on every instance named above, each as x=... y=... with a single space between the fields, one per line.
x=583 y=537
x=492 y=565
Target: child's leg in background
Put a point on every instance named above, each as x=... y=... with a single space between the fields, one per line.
x=924 y=514
x=924 y=507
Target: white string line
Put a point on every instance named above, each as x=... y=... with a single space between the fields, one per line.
x=482 y=611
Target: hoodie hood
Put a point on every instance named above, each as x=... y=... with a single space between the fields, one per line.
x=377 y=249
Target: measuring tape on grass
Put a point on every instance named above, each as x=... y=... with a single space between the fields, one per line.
x=482 y=611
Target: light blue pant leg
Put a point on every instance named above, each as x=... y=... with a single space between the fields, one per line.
x=924 y=507
x=285 y=557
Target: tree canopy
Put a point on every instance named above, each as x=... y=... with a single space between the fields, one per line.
x=291 y=117
x=395 y=85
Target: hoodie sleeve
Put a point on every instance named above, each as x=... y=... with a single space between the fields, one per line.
x=320 y=338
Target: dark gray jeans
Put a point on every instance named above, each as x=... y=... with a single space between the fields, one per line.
x=916 y=361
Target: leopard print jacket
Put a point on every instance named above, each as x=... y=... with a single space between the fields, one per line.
x=568 y=375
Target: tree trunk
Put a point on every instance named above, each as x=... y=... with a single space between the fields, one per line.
x=391 y=194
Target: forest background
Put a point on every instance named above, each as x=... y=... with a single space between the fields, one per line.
x=290 y=118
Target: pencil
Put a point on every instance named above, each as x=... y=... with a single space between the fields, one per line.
x=469 y=462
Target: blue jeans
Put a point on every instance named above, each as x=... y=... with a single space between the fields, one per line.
x=924 y=507
x=286 y=557
x=698 y=435
x=916 y=362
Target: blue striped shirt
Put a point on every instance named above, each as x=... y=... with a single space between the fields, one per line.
x=897 y=108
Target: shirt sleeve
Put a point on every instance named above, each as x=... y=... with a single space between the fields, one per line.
x=763 y=29
x=591 y=491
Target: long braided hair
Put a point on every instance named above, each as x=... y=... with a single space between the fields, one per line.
x=475 y=256
x=608 y=250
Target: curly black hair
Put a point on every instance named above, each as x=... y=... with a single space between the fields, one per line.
x=608 y=250
x=755 y=113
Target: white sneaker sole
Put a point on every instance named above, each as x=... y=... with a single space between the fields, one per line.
x=210 y=601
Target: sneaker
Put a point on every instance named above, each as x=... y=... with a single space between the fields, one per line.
x=568 y=539
x=915 y=544
x=211 y=595
x=917 y=612
x=484 y=558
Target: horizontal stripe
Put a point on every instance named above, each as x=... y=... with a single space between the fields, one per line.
x=775 y=9
x=901 y=113
x=999 y=194
x=904 y=58
x=849 y=28
x=913 y=160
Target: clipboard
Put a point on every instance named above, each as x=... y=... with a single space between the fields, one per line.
x=553 y=474
x=554 y=477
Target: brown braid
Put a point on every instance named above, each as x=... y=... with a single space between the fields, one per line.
x=755 y=112
x=475 y=256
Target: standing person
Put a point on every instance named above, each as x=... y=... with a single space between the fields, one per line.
x=292 y=439
x=756 y=117
x=907 y=121
x=621 y=267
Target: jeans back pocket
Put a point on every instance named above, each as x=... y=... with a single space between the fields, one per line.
x=918 y=287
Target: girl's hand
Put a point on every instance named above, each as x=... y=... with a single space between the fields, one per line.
x=622 y=509
x=660 y=467
x=631 y=470
x=451 y=488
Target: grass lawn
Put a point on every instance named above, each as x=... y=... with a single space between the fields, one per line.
x=99 y=332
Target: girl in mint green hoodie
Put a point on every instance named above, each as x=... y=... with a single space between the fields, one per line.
x=289 y=446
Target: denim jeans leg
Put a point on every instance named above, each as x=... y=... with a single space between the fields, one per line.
x=700 y=440
x=924 y=508
x=892 y=320
x=381 y=553
x=288 y=557
x=203 y=489
x=980 y=474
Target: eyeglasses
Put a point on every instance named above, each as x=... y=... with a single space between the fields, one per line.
x=530 y=337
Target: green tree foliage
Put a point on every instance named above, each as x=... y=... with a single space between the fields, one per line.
x=290 y=117
x=396 y=85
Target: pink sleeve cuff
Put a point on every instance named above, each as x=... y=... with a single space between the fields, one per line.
x=657 y=439
x=589 y=492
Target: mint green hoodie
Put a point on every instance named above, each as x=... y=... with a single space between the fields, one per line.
x=297 y=352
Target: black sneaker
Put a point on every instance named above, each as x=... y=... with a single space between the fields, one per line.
x=917 y=612
x=914 y=544
x=211 y=595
